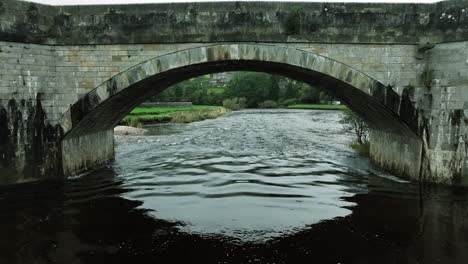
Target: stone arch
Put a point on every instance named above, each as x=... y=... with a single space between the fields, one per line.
x=108 y=103
x=102 y=108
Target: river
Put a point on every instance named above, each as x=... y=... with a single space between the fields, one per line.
x=253 y=186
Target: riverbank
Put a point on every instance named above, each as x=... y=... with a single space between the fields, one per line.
x=362 y=149
x=318 y=106
x=142 y=115
x=151 y=115
x=128 y=131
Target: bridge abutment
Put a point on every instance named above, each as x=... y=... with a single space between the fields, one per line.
x=443 y=104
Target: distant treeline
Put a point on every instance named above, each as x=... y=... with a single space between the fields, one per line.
x=258 y=89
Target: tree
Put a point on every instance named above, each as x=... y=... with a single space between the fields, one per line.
x=293 y=20
x=196 y=90
x=254 y=86
x=274 y=88
x=235 y=103
x=355 y=124
x=308 y=94
x=178 y=91
x=324 y=97
x=291 y=90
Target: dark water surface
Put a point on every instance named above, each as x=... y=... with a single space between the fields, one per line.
x=254 y=186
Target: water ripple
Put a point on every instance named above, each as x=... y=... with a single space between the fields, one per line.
x=261 y=172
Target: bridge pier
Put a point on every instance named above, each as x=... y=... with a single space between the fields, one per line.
x=401 y=155
x=83 y=152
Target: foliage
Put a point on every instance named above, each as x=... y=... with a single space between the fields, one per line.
x=288 y=102
x=197 y=115
x=149 y=118
x=255 y=87
x=274 y=89
x=362 y=149
x=293 y=21
x=319 y=106
x=427 y=76
x=159 y=110
x=303 y=92
x=235 y=103
x=174 y=114
x=308 y=94
x=268 y=104
x=292 y=90
x=215 y=90
x=198 y=90
x=325 y=98
x=133 y=123
x=355 y=124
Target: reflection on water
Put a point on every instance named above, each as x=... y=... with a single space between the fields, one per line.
x=251 y=187
x=252 y=176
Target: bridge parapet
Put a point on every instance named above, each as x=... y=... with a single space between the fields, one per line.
x=383 y=23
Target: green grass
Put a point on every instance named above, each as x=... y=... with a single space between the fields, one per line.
x=161 y=110
x=197 y=115
x=172 y=114
x=148 y=118
x=318 y=106
x=361 y=149
x=215 y=91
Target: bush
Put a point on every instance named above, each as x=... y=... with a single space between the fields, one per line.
x=235 y=103
x=290 y=101
x=362 y=149
x=427 y=76
x=268 y=104
x=133 y=122
x=355 y=124
x=197 y=115
x=293 y=20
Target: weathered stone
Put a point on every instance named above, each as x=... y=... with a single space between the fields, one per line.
x=101 y=61
x=234 y=22
x=376 y=102
x=87 y=151
x=128 y=131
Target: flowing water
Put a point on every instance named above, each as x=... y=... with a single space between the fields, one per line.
x=254 y=186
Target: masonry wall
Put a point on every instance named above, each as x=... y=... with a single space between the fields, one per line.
x=399 y=154
x=385 y=23
x=444 y=104
x=82 y=46
x=62 y=74
x=29 y=93
x=87 y=151
x=29 y=69
x=39 y=83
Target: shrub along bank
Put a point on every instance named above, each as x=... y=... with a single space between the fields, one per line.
x=354 y=124
x=318 y=106
x=140 y=115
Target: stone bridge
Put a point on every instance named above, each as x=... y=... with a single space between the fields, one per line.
x=70 y=73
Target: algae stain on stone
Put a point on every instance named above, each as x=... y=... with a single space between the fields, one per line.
x=29 y=147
